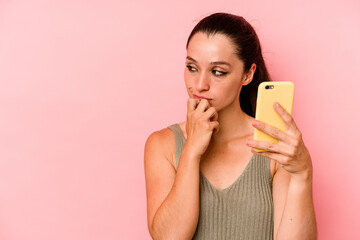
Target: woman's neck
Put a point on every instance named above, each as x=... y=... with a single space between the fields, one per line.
x=233 y=124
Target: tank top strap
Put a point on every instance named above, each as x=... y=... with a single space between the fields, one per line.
x=179 y=141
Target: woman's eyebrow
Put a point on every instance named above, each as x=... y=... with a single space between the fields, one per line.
x=212 y=63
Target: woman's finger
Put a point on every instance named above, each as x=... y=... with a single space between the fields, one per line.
x=285 y=116
x=280 y=158
x=191 y=104
x=279 y=147
x=203 y=105
x=215 y=126
x=270 y=130
x=211 y=114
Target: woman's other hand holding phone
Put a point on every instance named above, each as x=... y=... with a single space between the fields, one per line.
x=290 y=151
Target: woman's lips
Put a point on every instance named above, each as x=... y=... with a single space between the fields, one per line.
x=201 y=97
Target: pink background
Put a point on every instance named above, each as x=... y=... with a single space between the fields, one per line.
x=84 y=83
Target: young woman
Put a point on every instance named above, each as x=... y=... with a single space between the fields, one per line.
x=203 y=179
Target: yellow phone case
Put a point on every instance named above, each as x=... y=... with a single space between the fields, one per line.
x=268 y=94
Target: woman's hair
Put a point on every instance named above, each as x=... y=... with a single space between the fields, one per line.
x=247 y=49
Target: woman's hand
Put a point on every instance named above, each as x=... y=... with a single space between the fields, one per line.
x=201 y=122
x=290 y=152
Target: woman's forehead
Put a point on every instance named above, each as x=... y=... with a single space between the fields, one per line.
x=211 y=47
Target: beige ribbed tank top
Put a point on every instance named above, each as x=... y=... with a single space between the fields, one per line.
x=244 y=210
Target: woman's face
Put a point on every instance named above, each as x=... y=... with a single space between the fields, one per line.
x=214 y=71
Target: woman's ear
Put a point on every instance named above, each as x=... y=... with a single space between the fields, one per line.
x=249 y=75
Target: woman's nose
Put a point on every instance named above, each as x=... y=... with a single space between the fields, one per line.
x=202 y=83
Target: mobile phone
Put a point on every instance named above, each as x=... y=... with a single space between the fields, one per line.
x=268 y=94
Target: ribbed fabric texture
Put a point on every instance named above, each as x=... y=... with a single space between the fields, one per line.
x=244 y=210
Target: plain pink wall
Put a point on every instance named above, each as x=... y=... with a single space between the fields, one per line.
x=84 y=83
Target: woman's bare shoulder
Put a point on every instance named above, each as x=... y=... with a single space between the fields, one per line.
x=163 y=141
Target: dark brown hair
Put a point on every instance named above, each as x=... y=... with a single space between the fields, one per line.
x=248 y=50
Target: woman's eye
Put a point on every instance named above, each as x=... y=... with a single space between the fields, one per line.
x=219 y=73
x=215 y=72
x=191 y=69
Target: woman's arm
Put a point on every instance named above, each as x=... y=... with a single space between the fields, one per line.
x=172 y=197
x=294 y=215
